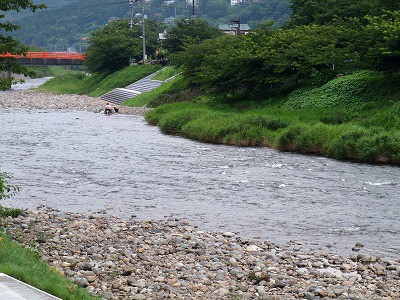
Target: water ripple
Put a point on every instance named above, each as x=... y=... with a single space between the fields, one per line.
x=81 y=161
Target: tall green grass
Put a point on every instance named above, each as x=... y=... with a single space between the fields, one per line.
x=166 y=73
x=354 y=117
x=26 y=265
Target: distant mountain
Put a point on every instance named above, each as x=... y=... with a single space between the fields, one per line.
x=67 y=24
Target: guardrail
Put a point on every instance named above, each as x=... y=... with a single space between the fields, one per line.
x=47 y=55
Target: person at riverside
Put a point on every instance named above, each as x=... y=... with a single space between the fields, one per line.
x=108 y=109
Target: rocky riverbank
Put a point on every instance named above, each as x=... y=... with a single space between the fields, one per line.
x=170 y=259
x=34 y=100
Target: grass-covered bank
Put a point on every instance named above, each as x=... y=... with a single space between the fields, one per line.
x=97 y=85
x=25 y=265
x=355 y=117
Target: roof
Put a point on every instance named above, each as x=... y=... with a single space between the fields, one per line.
x=227 y=27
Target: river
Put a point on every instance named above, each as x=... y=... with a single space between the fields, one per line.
x=87 y=162
x=29 y=83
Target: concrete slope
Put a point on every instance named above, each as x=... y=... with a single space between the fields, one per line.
x=13 y=289
x=119 y=95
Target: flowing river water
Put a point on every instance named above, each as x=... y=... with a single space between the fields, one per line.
x=88 y=162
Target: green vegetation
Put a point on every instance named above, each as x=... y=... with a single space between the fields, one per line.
x=25 y=265
x=113 y=46
x=6 y=189
x=96 y=85
x=69 y=23
x=51 y=71
x=8 y=44
x=166 y=73
x=355 y=117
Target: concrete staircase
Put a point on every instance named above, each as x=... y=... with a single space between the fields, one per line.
x=119 y=95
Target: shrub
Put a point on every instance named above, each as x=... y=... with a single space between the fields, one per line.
x=287 y=140
x=10 y=212
x=211 y=127
x=381 y=148
x=345 y=145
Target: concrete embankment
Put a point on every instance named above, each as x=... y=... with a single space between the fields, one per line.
x=170 y=259
x=35 y=100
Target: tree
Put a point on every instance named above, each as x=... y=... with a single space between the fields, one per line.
x=6 y=189
x=389 y=5
x=213 y=9
x=322 y=12
x=380 y=42
x=189 y=32
x=10 y=45
x=112 y=47
x=268 y=58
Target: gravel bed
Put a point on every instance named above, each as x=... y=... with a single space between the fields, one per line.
x=170 y=259
x=32 y=99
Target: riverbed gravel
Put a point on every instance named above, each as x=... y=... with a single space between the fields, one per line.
x=171 y=259
x=31 y=99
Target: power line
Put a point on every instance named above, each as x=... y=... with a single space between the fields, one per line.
x=79 y=6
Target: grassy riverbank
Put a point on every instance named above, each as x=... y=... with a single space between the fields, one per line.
x=355 y=117
x=25 y=264
x=96 y=85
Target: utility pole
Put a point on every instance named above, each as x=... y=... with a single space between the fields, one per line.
x=237 y=29
x=143 y=35
x=131 y=13
x=193 y=14
x=131 y=3
x=174 y=13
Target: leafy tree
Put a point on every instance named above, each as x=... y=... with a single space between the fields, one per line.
x=213 y=9
x=269 y=58
x=389 y=5
x=112 y=47
x=189 y=32
x=321 y=12
x=255 y=14
x=380 y=42
x=7 y=43
x=6 y=189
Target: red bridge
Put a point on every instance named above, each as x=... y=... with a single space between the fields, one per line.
x=47 y=58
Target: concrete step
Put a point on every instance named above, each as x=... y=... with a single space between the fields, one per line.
x=13 y=289
x=144 y=85
x=117 y=96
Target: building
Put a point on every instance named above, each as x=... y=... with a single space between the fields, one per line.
x=234 y=28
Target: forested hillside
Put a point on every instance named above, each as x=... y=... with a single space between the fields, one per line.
x=66 y=24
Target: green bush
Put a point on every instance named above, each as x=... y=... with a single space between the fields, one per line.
x=345 y=145
x=172 y=123
x=382 y=147
x=357 y=92
x=212 y=127
x=287 y=140
x=9 y=212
